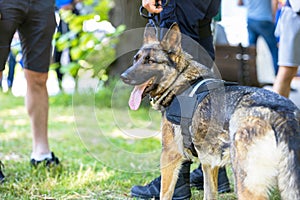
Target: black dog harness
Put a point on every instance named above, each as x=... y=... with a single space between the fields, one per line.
x=183 y=106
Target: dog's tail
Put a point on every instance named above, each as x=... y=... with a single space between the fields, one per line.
x=289 y=165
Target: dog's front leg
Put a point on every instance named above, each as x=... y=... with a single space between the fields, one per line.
x=171 y=159
x=210 y=176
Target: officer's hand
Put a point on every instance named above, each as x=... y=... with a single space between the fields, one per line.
x=149 y=5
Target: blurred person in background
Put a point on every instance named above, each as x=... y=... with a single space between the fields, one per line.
x=15 y=57
x=288 y=31
x=261 y=22
x=63 y=28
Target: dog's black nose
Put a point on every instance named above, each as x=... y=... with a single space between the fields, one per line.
x=128 y=78
x=124 y=77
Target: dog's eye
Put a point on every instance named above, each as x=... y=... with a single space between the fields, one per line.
x=136 y=57
x=148 y=60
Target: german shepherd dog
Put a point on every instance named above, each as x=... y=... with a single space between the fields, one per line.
x=254 y=129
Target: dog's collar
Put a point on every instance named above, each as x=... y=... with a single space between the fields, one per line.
x=197 y=86
x=197 y=91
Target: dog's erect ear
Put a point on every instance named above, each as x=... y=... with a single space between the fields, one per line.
x=172 y=39
x=150 y=34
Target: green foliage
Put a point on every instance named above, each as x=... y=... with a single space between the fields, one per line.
x=91 y=50
x=103 y=8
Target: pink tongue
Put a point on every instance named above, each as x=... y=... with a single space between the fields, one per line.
x=136 y=96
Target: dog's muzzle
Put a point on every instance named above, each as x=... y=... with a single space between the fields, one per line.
x=125 y=78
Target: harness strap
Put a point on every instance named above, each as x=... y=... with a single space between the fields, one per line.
x=199 y=84
x=183 y=106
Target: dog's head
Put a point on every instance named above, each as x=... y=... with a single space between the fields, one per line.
x=158 y=68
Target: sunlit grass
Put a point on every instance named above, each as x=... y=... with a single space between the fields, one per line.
x=82 y=176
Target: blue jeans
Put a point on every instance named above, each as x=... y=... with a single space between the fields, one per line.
x=11 y=69
x=265 y=29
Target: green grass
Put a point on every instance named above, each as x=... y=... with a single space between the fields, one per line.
x=104 y=150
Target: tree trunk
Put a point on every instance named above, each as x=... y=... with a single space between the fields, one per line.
x=126 y=12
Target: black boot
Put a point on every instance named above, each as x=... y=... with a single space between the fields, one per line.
x=197 y=180
x=182 y=189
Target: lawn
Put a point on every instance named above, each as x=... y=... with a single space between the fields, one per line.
x=104 y=150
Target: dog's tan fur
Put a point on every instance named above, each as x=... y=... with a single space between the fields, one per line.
x=256 y=130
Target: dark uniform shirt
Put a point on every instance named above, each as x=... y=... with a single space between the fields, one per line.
x=194 y=19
